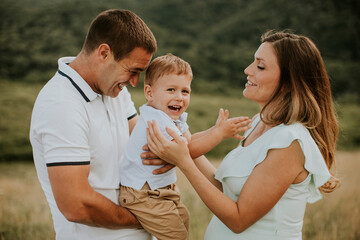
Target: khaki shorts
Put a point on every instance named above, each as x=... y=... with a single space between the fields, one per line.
x=160 y=211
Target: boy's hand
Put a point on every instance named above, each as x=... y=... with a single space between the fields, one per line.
x=230 y=128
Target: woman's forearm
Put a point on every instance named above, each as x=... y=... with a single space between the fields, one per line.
x=208 y=170
x=221 y=205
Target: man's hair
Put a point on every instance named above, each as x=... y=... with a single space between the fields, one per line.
x=165 y=65
x=303 y=94
x=122 y=30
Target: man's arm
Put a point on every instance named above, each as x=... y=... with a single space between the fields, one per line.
x=79 y=203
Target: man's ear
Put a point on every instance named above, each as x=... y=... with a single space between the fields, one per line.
x=104 y=52
x=148 y=93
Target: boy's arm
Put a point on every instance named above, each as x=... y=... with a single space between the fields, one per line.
x=201 y=134
x=203 y=142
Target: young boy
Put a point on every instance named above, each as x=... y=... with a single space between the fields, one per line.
x=155 y=199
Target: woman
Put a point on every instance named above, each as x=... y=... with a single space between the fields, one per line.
x=261 y=188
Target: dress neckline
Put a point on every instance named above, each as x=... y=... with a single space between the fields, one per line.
x=258 y=119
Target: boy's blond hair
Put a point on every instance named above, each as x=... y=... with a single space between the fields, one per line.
x=165 y=65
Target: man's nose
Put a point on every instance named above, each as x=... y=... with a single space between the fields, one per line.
x=135 y=80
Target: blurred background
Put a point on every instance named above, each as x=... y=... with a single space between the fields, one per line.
x=218 y=38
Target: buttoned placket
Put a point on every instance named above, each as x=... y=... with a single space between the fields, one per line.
x=112 y=123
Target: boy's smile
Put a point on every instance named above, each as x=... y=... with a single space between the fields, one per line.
x=170 y=94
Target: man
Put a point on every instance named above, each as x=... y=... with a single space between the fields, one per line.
x=80 y=124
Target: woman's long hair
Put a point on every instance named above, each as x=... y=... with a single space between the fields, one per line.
x=303 y=94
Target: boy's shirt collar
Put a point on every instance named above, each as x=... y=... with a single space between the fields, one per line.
x=180 y=122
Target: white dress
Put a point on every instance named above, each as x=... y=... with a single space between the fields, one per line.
x=285 y=219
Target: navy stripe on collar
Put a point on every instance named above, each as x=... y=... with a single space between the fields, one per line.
x=75 y=85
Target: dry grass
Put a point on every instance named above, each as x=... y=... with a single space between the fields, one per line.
x=24 y=213
x=337 y=216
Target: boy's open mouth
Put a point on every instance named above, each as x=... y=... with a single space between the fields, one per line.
x=174 y=108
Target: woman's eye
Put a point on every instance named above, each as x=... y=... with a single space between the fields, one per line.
x=261 y=68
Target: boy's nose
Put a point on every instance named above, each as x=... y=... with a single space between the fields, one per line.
x=179 y=96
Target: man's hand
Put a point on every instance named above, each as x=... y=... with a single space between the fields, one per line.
x=150 y=158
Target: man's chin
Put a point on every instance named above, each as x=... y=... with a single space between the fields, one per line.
x=116 y=93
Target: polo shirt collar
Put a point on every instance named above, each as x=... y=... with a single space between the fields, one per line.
x=82 y=86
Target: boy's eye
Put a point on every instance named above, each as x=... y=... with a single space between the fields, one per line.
x=185 y=91
x=170 y=89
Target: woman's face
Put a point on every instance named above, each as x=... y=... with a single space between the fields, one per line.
x=263 y=75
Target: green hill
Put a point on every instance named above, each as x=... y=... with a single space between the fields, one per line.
x=217 y=37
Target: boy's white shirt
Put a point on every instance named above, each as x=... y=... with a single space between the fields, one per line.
x=133 y=173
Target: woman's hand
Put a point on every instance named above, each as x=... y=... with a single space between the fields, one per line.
x=175 y=152
x=150 y=158
x=231 y=127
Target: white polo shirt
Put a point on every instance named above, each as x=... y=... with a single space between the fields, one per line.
x=133 y=173
x=73 y=125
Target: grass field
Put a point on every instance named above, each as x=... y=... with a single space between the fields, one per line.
x=17 y=99
x=24 y=213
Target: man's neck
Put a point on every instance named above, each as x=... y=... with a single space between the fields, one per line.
x=83 y=65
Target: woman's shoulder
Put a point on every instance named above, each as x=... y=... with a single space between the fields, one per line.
x=314 y=161
x=290 y=132
x=283 y=135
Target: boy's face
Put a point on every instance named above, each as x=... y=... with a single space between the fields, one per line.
x=170 y=94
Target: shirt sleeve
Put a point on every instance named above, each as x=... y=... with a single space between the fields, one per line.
x=64 y=134
x=241 y=161
x=314 y=161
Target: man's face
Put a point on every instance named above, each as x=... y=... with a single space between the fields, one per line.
x=117 y=75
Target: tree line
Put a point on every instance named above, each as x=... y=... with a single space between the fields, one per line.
x=218 y=38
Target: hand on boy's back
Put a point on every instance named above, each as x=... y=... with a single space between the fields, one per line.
x=231 y=127
x=150 y=158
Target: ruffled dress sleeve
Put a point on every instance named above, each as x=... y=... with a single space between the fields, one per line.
x=241 y=161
